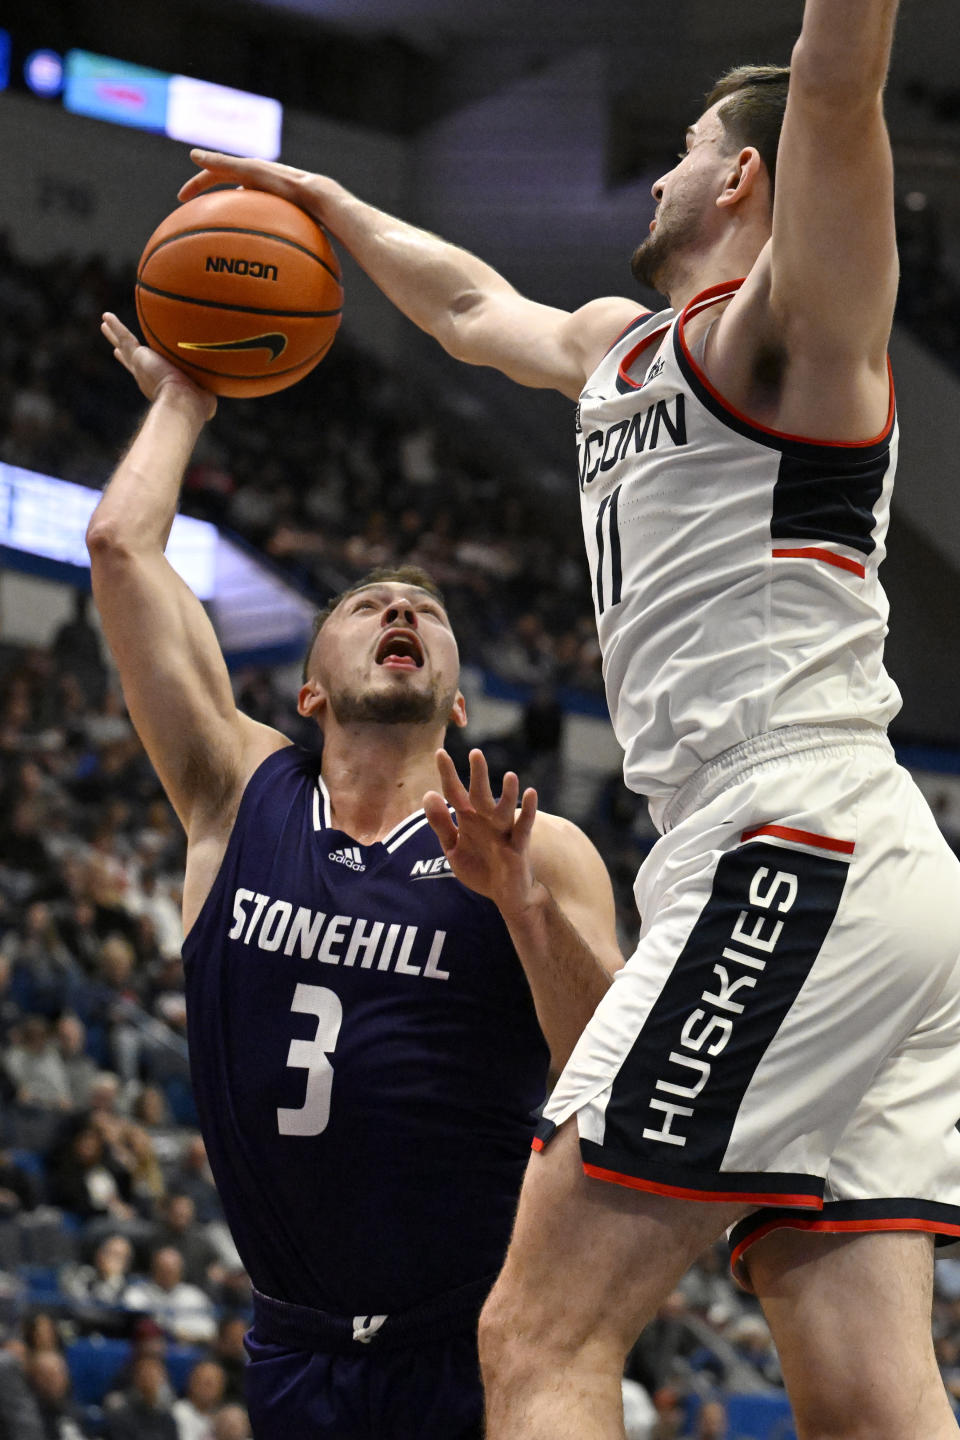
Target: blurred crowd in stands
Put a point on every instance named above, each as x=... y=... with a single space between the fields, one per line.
x=122 y=1300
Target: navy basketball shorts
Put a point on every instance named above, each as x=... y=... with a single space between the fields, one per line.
x=424 y=1385
x=787 y=1032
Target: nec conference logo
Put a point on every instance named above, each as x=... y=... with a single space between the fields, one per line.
x=431 y=869
x=349 y=856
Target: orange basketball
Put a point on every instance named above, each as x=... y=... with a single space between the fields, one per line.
x=240 y=289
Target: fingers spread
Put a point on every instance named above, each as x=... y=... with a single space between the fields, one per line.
x=523 y=824
x=441 y=821
x=452 y=785
x=480 y=791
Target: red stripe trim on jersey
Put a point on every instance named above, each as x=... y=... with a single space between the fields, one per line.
x=682 y=1193
x=536 y=1143
x=802 y=837
x=632 y=356
x=640 y=315
x=714 y=295
x=830 y=557
x=838 y=1227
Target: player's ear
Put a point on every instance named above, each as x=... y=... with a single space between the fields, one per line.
x=458 y=711
x=311 y=700
x=747 y=171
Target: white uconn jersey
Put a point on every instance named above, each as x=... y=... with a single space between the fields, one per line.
x=734 y=568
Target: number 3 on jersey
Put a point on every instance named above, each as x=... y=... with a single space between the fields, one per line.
x=607 y=520
x=311 y=1055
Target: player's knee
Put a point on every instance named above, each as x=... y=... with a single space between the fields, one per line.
x=499 y=1326
x=523 y=1335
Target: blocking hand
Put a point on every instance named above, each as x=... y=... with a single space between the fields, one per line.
x=488 y=848
x=217 y=169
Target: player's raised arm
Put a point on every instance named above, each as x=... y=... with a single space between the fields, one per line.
x=833 y=258
x=475 y=314
x=548 y=882
x=174 y=677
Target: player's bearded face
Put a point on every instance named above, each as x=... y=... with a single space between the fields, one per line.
x=396 y=705
x=679 y=225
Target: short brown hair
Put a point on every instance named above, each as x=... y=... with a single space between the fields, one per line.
x=405 y=574
x=753 y=114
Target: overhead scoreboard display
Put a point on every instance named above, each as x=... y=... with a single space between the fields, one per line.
x=193 y=111
x=258 y=615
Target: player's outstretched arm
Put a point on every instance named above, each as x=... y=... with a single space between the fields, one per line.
x=475 y=314
x=548 y=882
x=833 y=252
x=174 y=677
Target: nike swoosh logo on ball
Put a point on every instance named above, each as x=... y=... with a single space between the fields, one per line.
x=274 y=341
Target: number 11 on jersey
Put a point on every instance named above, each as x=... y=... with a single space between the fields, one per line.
x=312 y=1056
x=607 y=519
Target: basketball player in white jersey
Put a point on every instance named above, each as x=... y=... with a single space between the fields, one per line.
x=781 y=1056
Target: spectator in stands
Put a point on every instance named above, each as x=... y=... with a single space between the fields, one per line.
x=708 y=1288
x=151 y=1111
x=119 y=1001
x=750 y=1336
x=142 y=1411
x=19 y=1414
x=231 y=1353
x=77 y=916
x=712 y=1421
x=148 y=1187
x=192 y=1177
x=670 y=1414
x=202 y=1398
x=36 y=950
x=179 y=1227
x=639 y=1411
x=85 y=1180
x=167 y=998
x=183 y=1310
x=49 y=1379
x=101 y=1285
x=80 y=1068
x=36 y=1068
x=18 y=1190
x=658 y=1358
x=10 y=1012
x=232 y=1423
x=151 y=898
x=76 y=650
x=40 y=1333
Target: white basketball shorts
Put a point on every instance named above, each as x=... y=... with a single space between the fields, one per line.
x=787 y=1032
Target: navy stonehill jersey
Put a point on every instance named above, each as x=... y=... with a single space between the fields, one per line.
x=364 y=1052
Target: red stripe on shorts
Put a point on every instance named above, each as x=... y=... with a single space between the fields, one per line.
x=837 y=1227
x=802 y=837
x=681 y=1193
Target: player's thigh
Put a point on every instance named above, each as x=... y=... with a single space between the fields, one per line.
x=591 y=1260
x=851 y=1319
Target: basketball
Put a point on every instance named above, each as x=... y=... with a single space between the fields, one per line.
x=241 y=290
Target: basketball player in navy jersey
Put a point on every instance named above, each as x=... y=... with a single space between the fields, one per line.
x=369 y=1037
x=781 y=1056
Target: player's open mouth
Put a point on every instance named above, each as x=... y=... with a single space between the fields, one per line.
x=399 y=650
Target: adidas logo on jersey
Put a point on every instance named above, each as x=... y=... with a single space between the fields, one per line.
x=431 y=869
x=349 y=856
